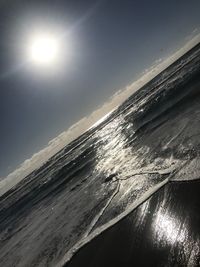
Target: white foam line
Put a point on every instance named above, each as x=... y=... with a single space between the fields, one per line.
x=67 y=257
x=96 y=219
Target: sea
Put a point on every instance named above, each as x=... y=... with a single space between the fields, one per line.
x=153 y=138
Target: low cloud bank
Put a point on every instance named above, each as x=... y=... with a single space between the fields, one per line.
x=55 y=145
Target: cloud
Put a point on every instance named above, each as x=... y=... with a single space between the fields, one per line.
x=85 y=123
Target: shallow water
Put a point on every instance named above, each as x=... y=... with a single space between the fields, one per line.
x=163 y=231
x=153 y=138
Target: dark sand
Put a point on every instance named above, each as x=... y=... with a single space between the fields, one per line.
x=163 y=231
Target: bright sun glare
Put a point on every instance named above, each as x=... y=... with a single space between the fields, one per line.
x=44 y=49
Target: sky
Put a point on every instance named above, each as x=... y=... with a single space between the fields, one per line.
x=105 y=46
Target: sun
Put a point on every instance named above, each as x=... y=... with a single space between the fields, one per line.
x=44 y=49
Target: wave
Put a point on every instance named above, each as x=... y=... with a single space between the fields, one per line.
x=95 y=181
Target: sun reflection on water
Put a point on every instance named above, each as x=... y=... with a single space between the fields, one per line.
x=168 y=228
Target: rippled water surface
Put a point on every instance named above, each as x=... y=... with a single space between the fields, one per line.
x=153 y=138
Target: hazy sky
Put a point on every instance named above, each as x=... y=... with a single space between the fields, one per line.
x=105 y=46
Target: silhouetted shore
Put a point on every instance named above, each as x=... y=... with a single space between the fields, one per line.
x=163 y=231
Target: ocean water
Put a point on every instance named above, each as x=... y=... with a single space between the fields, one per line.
x=150 y=140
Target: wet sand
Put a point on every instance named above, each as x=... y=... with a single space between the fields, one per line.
x=163 y=231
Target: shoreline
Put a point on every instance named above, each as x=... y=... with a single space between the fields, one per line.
x=156 y=233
